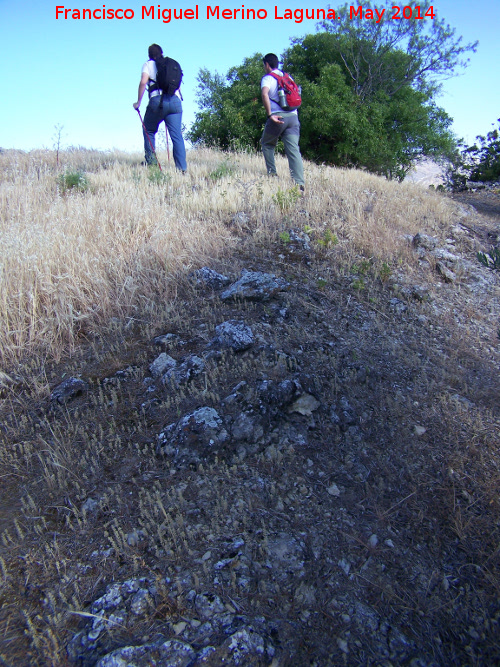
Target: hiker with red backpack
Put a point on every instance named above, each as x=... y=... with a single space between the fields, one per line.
x=281 y=98
x=162 y=77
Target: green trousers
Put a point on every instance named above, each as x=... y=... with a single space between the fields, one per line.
x=289 y=133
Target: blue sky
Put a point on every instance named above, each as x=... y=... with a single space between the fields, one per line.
x=83 y=74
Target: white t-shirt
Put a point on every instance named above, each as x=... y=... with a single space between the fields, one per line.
x=150 y=68
x=270 y=82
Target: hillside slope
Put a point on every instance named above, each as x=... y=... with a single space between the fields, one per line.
x=292 y=461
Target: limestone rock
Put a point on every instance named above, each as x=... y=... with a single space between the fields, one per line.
x=210 y=278
x=184 y=372
x=256 y=286
x=233 y=334
x=161 y=364
x=172 y=653
x=445 y=273
x=425 y=241
x=195 y=435
x=68 y=390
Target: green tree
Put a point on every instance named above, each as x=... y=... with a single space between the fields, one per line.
x=486 y=157
x=230 y=115
x=368 y=92
x=428 y=48
x=479 y=162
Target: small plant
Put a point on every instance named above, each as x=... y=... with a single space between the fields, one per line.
x=285 y=199
x=490 y=260
x=329 y=239
x=308 y=229
x=361 y=268
x=364 y=267
x=358 y=284
x=285 y=237
x=385 y=272
x=73 y=180
x=321 y=282
x=156 y=175
x=223 y=170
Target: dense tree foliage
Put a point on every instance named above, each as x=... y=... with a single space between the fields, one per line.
x=231 y=113
x=479 y=162
x=368 y=91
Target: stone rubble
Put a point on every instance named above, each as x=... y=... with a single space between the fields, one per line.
x=263 y=415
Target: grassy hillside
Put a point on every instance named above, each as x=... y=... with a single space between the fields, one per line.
x=344 y=510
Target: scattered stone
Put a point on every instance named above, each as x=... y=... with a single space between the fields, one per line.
x=419 y=430
x=90 y=506
x=240 y=219
x=445 y=255
x=161 y=364
x=172 y=653
x=286 y=555
x=247 y=427
x=207 y=605
x=305 y=405
x=233 y=334
x=342 y=414
x=210 y=278
x=68 y=390
x=420 y=293
x=183 y=372
x=196 y=435
x=446 y=273
x=166 y=339
x=299 y=241
x=256 y=286
x=398 y=305
x=425 y=241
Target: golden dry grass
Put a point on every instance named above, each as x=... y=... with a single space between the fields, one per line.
x=73 y=260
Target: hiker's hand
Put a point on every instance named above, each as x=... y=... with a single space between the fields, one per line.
x=277 y=119
x=136 y=105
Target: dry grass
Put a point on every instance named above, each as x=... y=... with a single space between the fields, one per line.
x=89 y=278
x=71 y=261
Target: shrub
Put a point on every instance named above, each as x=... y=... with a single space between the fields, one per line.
x=479 y=162
x=73 y=180
x=223 y=170
x=491 y=260
x=285 y=199
x=156 y=175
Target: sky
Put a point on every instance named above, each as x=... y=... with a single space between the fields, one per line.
x=82 y=75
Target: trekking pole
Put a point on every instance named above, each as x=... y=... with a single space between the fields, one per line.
x=168 y=149
x=150 y=143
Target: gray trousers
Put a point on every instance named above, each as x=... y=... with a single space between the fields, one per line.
x=289 y=133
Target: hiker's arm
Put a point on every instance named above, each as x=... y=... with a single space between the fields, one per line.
x=267 y=106
x=142 y=87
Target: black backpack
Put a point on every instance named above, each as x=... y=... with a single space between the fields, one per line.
x=168 y=76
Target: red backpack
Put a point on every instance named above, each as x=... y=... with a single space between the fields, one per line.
x=289 y=93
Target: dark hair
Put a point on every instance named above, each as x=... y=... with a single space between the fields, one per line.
x=272 y=60
x=155 y=51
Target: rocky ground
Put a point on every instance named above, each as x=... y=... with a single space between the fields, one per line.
x=301 y=469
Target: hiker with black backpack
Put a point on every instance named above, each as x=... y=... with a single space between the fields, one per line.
x=162 y=77
x=281 y=98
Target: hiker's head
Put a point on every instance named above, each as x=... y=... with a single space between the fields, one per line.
x=155 y=51
x=271 y=59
